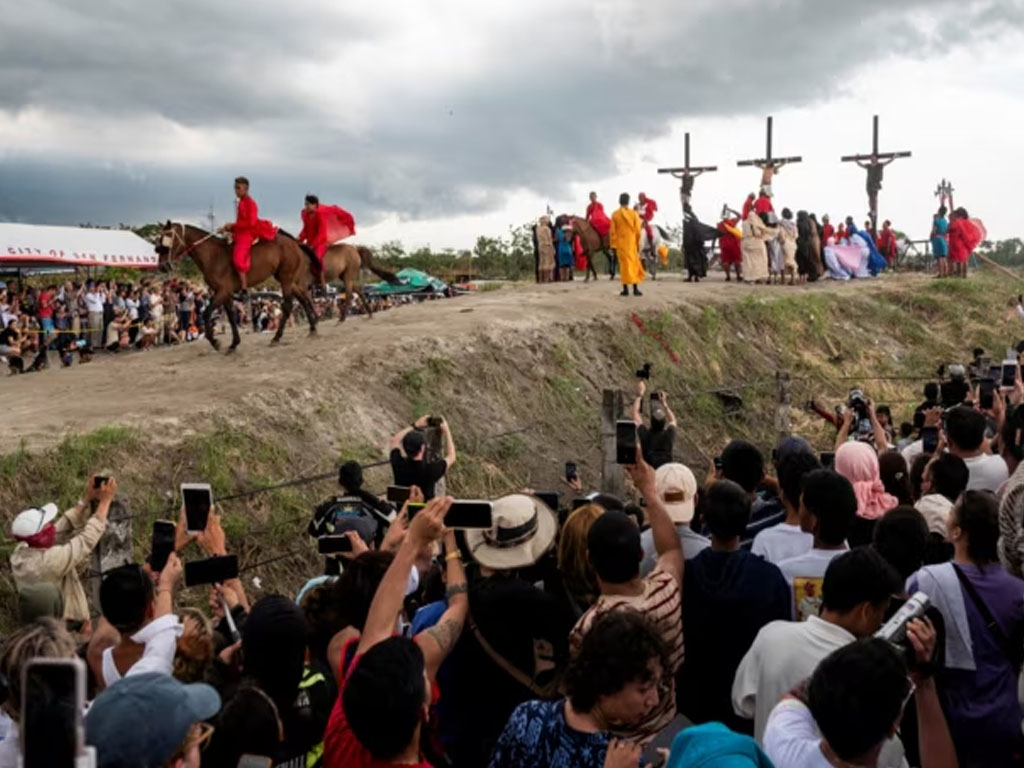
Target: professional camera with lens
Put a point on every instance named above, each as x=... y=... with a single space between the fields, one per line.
x=894 y=631
x=858 y=403
x=644 y=374
x=956 y=388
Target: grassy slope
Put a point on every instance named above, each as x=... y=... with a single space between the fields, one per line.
x=551 y=379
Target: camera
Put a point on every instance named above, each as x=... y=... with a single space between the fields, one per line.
x=894 y=631
x=858 y=403
x=644 y=374
x=955 y=389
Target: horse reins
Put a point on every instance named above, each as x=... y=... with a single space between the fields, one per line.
x=180 y=237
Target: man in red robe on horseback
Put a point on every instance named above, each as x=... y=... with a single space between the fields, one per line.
x=597 y=217
x=647 y=208
x=246 y=228
x=322 y=227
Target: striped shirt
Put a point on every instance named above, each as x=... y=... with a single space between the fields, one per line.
x=661 y=604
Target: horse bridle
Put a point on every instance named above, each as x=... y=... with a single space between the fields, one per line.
x=179 y=237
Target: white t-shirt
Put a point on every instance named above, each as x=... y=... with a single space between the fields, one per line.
x=782 y=542
x=912 y=451
x=987 y=473
x=93 y=302
x=784 y=654
x=805 y=575
x=792 y=740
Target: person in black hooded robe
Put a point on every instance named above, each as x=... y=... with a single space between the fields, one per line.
x=695 y=254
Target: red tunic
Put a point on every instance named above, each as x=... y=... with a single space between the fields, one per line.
x=598 y=218
x=326 y=226
x=827 y=231
x=747 y=205
x=960 y=241
x=649 y=209
x=248 y=227
x=840 y=234
x=763 y=204
x=729 y=244
x=887 y=244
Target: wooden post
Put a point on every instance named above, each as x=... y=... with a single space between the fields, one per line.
x=783 y=422
x=611 y=471
x=435 y=452
x=114 y=548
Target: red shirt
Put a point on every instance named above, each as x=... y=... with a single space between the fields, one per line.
x=598 y=218
x=310 y=228
x=249 y=224
x=827 y=231
x=763 y=204
x=45 y=308
x=650 y=208
x=341 y=747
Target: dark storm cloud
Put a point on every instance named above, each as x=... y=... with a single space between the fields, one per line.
x=547 y=107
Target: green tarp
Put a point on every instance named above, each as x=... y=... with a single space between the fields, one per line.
x=410 y=281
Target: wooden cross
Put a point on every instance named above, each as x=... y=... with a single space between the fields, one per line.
x=768 y=161
x=874 y=164
x=687 y=173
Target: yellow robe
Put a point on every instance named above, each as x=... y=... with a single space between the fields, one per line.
x=624 y=237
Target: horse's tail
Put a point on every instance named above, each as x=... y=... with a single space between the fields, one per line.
x=366 y=262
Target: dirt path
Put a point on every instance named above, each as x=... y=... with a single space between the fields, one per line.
x=167 y=389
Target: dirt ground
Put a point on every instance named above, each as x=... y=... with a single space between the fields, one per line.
x=169 y=389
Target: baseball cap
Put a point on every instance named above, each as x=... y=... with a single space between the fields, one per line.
x=141 y=720
x=677 y=488
x=32 y=521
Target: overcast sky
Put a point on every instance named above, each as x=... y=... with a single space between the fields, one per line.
x=434 y=122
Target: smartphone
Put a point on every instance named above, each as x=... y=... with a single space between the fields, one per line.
x=52 y=703
x=414 y=507
x=254 y=761
x=197 y=498
x=718 y=463
x=550 y=498
x=163 y=544
x=625 y=442
x=929 y=439
x=986 y=394
x=398 y=494
x=213 y=570
x=469 y=514
x=1008 y=379
x=330 y=545
x=99 y=481
x=655 y=397
x=827 y=459
x=571 y=472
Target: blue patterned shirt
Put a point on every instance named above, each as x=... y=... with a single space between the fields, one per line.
x=537 y=735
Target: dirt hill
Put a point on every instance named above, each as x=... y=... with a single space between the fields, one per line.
x=518 y=372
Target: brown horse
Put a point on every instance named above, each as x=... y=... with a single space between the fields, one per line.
x=345 y=263
x=281 y=258
x=591 y=242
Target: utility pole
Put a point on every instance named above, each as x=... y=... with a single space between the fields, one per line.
x=874 y=164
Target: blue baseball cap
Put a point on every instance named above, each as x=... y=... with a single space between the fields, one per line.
x=141 y=720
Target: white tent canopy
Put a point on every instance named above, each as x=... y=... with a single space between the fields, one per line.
x=28 y=246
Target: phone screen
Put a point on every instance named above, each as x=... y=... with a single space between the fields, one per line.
x=98 y=481
x=213 y=570
x=329 y=545
x=571 y=472
x=398 y=494
x=469 y=514
x=550 y=498
x=414 y=507
x=254 y=761
x=197 y=500
x=929 y=439
x=986 y=394
x=163 y=544
x=625 y=442
x=1009 y=376
x=53 y=695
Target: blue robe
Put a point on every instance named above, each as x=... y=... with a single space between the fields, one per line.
x=876 y=261
x=564 y=248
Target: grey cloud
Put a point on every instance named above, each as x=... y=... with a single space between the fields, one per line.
x=556 y=95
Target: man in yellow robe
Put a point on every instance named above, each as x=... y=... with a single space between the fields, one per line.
x=624 y=238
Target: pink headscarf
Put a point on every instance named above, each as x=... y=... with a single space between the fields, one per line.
x=858 y=463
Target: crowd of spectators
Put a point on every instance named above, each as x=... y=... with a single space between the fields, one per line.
x=78 y=319
x=864 y=610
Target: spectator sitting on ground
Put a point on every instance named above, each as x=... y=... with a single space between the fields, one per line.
x=412 y=468
x=849 y=711
x=743 y=464
x=828 y=506
x=613 y=683
x=787 y=539
x=729 y=594
x=38 y=557
x=389 y=684
x=658 y=440
x=855 y=596
x=858 y=463
x=676 y=488
x=151 y=721
x=613 y=543
x=965 y=432
x=45 y=638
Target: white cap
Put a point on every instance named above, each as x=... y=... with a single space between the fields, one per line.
x=32 y=521
x=677 y=490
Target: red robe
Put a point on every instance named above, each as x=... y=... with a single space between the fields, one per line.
x=729 y=244
x=598 y=218
x=763 y=204
x=887 y=244
x=747 y=205
x=827 y=231
x=964 y=237
x=578 y=254
x=648 y=209
x=324 y=227
x=247 y=228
